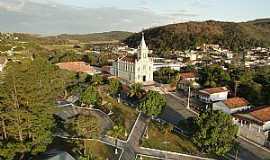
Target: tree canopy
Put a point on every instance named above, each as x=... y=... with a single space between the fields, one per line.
x=115 y=86
x=215 y=132
x=153 y=104
x=165 y=75
x=213 y=76
x=27 y=94
x=136 y=91
x=91 y=97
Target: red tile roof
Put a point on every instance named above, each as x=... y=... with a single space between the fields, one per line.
x=129 y=58
x=262 y=114
x=76 y=67
x=236 y=102
x=214 y=90
x=187 y=75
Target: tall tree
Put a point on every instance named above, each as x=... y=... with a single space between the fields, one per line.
x=136 y=91
x=114 y=86
x=85 y=126
x=215 y=133
x=27 y=94
x=153 y=103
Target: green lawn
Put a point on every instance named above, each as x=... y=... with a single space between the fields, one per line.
x=122 y=114
x=160 y=137
x=97 y=150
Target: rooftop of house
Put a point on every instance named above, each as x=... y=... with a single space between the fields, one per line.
x=214 y=90
x=77 y=67
x=262 y=113
x=236 y=102
x=129 y=58
x=187 y=75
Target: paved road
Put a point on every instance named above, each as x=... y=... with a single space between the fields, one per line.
x=167 y=155
x=134 y=138
x=251 y=152
x=176 y=110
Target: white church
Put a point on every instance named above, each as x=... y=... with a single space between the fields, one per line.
x=136 y=68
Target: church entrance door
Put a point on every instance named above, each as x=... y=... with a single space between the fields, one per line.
x=144 y=78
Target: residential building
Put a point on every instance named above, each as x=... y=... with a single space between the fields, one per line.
x=188 y=76
x=254 y=124
x=232 y=105
x=136 y=68
x=211 y=95
x=80 y=67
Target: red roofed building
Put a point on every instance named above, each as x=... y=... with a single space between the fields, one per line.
x=254 y=124
x=188 y=76
x=232 y=105
x=80 y=67
x=211 y=95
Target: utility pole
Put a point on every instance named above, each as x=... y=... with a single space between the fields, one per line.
x=188 y=102
x=235 y=88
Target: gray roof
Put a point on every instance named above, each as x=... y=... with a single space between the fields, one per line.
x=58 y=155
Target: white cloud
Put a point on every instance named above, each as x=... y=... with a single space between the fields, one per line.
x=50 y=17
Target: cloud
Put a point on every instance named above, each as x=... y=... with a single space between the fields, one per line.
x=49 y=17
x=12 y=5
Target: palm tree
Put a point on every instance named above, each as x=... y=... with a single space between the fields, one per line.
x=116 y=132
x=97 y=80
x=136 y=91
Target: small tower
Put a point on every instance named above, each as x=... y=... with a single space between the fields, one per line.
x=142 y=49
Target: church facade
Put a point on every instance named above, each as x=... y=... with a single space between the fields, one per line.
x=135 y=68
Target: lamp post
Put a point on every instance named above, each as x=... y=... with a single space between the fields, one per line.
x=188 y=102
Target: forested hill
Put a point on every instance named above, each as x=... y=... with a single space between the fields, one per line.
x=68 y=38
x=235 y=36
x=105 y=36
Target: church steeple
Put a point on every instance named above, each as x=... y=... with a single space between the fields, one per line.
x=143 y=49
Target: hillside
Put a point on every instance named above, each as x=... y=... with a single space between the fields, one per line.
x=105 y=36
x=235 y=36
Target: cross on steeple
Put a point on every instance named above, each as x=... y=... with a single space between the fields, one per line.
x=143 y=49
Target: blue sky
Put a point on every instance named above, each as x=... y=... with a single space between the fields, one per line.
x=88 y=16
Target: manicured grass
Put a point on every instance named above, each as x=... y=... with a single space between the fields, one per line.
x=122 y=114
x=101 y=151
x=97 y=150
x=161 y=137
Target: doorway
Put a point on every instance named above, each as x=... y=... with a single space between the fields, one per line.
x=144 y=78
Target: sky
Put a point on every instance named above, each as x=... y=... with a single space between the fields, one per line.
x=88 y=16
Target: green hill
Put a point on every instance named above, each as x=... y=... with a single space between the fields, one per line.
x=235 y=36
x=105 y=36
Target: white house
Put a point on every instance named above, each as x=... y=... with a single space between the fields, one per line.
x=135 y=68
x=3 y=62
x=232 y=105
x=254 y=124
x=211 y=95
